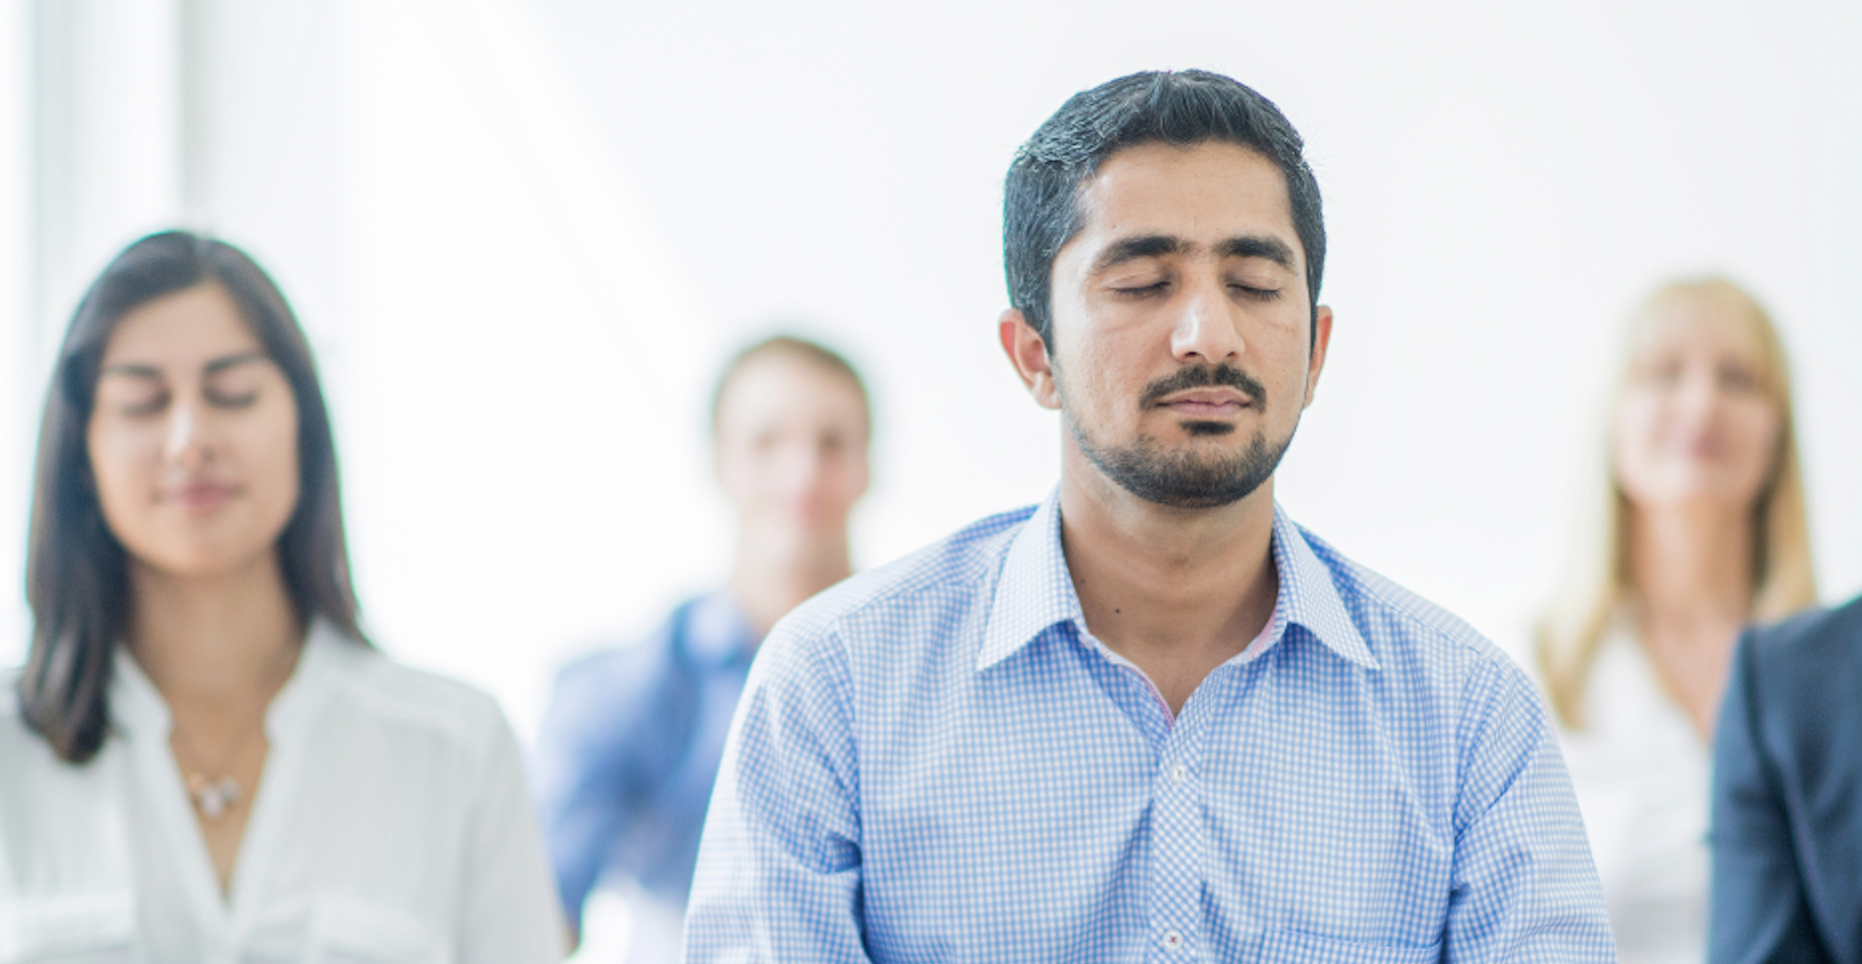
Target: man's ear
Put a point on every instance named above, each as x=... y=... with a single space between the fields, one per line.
x=1028 y=353
x=1321 y=340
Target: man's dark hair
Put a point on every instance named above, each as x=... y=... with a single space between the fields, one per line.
x=1041 y=208
x=77 y=580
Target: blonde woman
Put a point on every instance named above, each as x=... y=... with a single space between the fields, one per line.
x=1701 y=530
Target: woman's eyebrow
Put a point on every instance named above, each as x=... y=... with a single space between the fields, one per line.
x=229 y=361
x=132 y=370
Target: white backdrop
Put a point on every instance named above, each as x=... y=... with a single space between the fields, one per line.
x=524 y=232
x=19 y=376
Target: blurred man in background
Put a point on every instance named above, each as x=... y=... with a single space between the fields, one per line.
x=632 y=740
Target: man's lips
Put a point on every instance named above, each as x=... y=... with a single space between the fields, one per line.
x=1206 y=402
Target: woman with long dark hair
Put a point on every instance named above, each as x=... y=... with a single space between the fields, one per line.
x=206 y=759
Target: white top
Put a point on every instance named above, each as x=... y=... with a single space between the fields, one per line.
x=1642 y=774
x=391 y=826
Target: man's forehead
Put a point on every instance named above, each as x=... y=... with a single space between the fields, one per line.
x=1203 y=193
x=781 y=387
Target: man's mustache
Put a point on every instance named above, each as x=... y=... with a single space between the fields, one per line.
x=1201 y=376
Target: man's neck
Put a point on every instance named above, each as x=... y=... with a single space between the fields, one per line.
x=1176 y=591
x=768 y=584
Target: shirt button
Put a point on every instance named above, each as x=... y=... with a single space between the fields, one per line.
x=1173 y=940
x=1178 y=773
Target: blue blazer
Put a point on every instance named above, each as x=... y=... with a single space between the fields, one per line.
x=1787 y=795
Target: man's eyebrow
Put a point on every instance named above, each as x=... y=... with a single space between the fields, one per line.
x=1259 y=246
x=1158 y=245
x=1135 y=248
x=228 y=361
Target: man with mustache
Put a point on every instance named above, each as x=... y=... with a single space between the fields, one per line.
x=1152 y=718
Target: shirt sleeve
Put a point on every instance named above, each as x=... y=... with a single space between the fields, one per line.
x=1524 y=887
x=779 y=872
x=1759 y=909
x=583 y=772
x=510 y=913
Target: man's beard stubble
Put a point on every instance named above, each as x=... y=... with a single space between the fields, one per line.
x=1184 y=480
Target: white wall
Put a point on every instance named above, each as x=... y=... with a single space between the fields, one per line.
x=524 y=232
x=1502 y=184
x=17 y=381
x=108 y=137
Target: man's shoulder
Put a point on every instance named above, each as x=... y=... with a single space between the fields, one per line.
x=630 y=662
x=610 y=686
x=1395 y=621
x=952 y=571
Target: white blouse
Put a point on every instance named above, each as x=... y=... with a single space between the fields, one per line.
x=1642 y=775
x=391 y=825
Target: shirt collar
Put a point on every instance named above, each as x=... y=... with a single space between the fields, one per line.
x=1036 y=591
x=1309 y=595
x=324 y=649
x=717 y=632
x=138 y=709
x=136 y=706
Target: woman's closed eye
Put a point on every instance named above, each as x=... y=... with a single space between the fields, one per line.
x=133 y=398
x=220 y=397
x=1739 y=378
x=236 y=385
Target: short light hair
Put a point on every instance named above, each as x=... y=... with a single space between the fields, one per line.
x=793 y=347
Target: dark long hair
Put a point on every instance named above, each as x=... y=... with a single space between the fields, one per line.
x=77 y=573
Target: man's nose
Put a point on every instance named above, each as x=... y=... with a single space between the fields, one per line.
x=1205 y=325
x=794 y=466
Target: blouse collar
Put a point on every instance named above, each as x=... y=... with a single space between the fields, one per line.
x=138 y=709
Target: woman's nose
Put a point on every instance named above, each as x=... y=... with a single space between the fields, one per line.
x=1699 y=391
x=185 y=445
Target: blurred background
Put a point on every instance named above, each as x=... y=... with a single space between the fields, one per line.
x=523 y=235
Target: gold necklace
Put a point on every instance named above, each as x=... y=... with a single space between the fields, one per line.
x=213 y=796
x=216 y=796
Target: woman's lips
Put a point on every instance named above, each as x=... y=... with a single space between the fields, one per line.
x=201 y=496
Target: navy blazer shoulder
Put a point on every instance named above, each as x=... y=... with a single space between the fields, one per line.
x=1787 y=795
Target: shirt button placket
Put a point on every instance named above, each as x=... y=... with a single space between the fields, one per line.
x=1177 y=855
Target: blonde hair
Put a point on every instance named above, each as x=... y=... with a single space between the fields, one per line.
x=1600 y=586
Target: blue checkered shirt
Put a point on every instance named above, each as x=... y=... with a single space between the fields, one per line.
x=935 y=761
